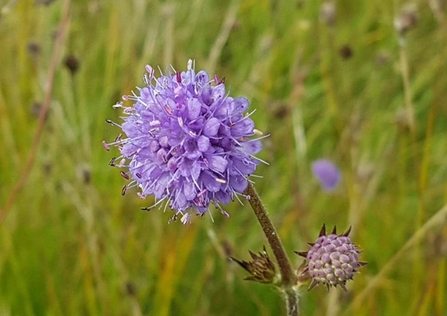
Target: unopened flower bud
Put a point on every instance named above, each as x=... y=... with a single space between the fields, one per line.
x=261 y=268
x=332 y=260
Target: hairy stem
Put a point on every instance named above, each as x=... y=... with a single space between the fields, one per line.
x=288 y=277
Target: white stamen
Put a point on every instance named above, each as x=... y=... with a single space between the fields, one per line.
x=118 y=105
x=257 y=132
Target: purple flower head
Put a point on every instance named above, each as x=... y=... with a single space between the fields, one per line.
x=332 y=260
x=327 y=173
x=188 y=142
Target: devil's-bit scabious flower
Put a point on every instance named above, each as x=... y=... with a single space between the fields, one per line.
x=327 y=174
x=188 y=142
x=332 y=260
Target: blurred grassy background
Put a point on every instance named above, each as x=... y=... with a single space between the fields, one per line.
x=331 y=79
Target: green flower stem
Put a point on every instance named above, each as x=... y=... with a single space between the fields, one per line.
x=288 y=277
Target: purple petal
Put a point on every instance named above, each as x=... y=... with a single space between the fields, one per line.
x=217 y=163
x=189 y=190
x=223 y=197
x=202 y=78
x=252 y=147
x=239 y=106
x=211 y=127
x=243 y=128
x=194 y=108
x=244 y=165
x=203 y=143
x=238 y=183
x=180 y=201
x=210 y=182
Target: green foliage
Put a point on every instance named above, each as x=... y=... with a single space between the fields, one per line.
x=355 y=92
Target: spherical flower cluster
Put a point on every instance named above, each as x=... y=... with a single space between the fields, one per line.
x=188 y=143
x=332 y=260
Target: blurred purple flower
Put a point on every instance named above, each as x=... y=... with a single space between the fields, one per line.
x=327 y=173
x=188 y=142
